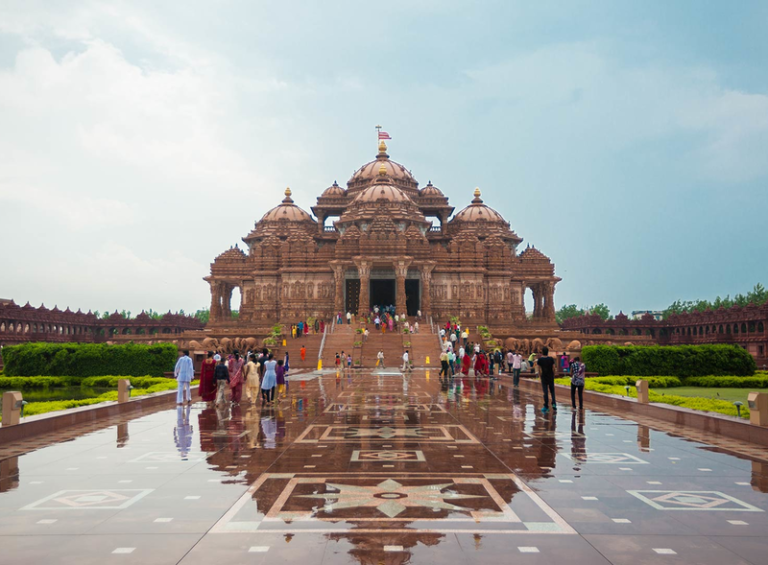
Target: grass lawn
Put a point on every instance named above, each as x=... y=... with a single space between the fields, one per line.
x=730 y=394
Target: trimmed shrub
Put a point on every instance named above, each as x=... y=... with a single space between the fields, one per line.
x=733 y=382
x=89 y=359
x=26 y=383
x=680 y=360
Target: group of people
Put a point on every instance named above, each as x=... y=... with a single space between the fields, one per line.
x=258 y=372
x=303 y=328
x=469 y=355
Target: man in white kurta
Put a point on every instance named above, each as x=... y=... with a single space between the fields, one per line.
x=184 y=373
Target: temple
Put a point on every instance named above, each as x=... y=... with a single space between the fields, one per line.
x=383 y=240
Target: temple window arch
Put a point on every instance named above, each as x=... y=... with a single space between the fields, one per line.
x=743 y=328
x=735 y=328
x=751 y=327
x=721 y=329
x=760 y=327
x=2 y=326
x=597 y=331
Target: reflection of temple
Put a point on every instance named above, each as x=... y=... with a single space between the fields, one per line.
x=383 y=240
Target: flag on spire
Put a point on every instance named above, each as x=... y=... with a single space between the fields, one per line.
x=383 y=135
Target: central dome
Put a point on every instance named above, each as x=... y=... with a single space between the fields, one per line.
x=287 y=210
x=478 y=212
x=369 y=172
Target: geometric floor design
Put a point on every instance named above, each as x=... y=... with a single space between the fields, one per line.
x=393 y=469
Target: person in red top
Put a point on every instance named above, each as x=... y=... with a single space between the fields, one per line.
x=207 y=389
x=466 y=361
x=303 y=352
x=235 y=365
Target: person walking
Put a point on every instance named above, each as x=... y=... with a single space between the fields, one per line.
x=465 y=338
x=365 y=334
x=303 y=352
x=578 y=372
x=547 y=366
x=269 y=381
x=235 y=366
x=221 y=375
x=444 y=364
x=184 y=372
x=516 y=364
x=349 y=318
x=406 y=362
x=207 y=388
x=380 y=359
x=280 y=379
x=251 y=379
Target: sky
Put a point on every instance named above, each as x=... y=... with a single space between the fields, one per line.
x=626 y=140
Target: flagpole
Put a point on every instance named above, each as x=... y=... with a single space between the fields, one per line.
x=378 y=131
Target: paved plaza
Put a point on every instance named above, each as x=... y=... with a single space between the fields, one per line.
x=383 y=468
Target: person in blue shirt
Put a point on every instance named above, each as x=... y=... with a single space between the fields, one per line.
x=184 y=373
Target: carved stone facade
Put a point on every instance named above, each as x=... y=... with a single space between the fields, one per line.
x=745 y=326
x=383 y=241
x=20 y=324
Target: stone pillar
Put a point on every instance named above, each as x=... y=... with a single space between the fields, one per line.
x=364 y=272
x=338 y=298
x=426 y=290
x=123 y=390
x=215 y=302
x=758 y=408
x=11 y=408
x=642 y=391
x=226 y=306
x=401 y=272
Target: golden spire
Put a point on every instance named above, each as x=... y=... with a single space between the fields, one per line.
x=477 y=199
x=288 y=191
x=382 y=170
x=477 y=192
x=287 y=198
x=382 y=148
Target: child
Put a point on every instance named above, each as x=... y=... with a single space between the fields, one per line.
x=280 y=378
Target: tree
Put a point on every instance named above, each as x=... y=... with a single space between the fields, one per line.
x=601 y=310
x=758 y=295
x=568 y=311
x=203 y=315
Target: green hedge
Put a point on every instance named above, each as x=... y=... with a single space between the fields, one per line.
x=88 y=359
x=680 y=360
x=26 y=383
x=692 y=402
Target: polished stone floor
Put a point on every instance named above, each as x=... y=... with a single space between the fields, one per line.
x=382 y=468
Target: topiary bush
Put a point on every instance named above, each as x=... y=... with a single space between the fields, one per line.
x=679 y=360
x=89 y=359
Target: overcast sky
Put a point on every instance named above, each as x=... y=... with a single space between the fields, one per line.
x=626 y=140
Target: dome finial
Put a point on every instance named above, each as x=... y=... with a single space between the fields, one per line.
x=382 y=148
x=288 y=193
x=382 y=170
x=477 y=199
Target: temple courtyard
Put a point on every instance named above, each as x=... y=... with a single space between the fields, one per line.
x=380 y=467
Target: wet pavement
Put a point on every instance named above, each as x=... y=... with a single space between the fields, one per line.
x=382 y=468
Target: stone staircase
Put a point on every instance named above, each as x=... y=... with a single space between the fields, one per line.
x=390 y=342
x=311 y=343
x=342 y=339
x=424 y=345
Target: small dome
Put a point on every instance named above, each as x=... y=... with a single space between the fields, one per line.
x=477 y=211
x=287 y=210
x=431 y=191
x=381 y=191
x=333 y=191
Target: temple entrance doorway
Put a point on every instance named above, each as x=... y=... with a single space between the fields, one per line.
x=382 y=292
x=352 y=296
x=412 y=295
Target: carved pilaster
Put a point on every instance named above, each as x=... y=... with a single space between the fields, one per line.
x=338 y=277
x=401 y=271
x=364 y=272
x=426 y=289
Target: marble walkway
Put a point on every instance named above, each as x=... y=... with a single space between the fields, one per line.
x=383 y=468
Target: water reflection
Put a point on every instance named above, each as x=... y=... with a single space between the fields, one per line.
x=182 y=433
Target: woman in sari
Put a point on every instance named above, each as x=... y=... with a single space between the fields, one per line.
x=235 y=365
x=466 y=361
x=207 y=389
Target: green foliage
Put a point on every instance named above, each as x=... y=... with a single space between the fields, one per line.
x=757 y=296
x=601 y=310
x=692 y=402
x=455 y=320
x=204 y=315
x=89 y=359
x=654 y=382
x=727 y=382
x=234 y=314
x=568 y=311
x=34 y=408
x=27 y=383
x=679 y=361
